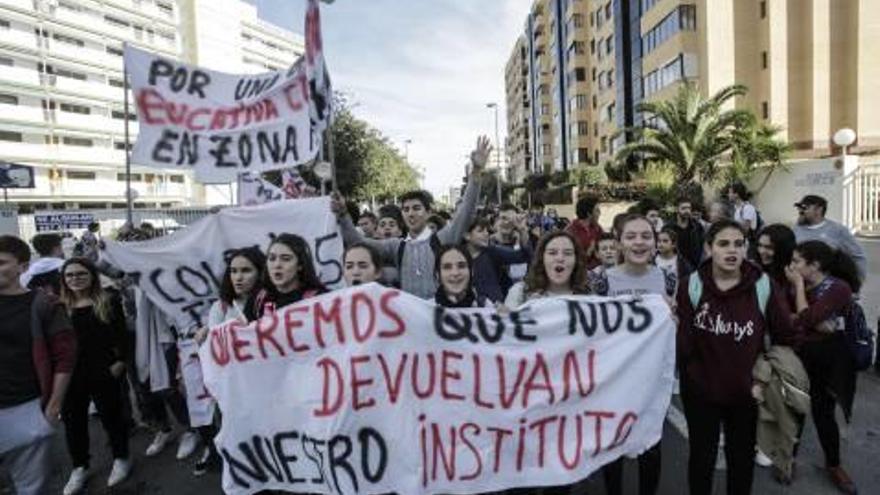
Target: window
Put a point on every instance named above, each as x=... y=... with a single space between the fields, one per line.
x=4 y=24
x=80 y=109
x=120 y=145
x=115 y=21
x=578 y=20
x=609 y=112
x=70 y=40
x=545 y=109
x=648 y=5
x=134 y=177
x=169 y=37
x=594 y=74
x=765 y=110
x=72 y=141
x=112 y=50
x=681 y=67
x=608 y=11
x=583 y=128
x=581 y=102
x=8 y=99
x=764 y=59
x=580 y=74
x=592 y=47
x=546 y=149
x=79 y=175
x=116 y=83
x=175 y=179
x=165 y=8
x=684 y=18
x=583 y=155
x=68 y=74
x=763 y=9
x=601 y=80
x=609 y=44
x=119 y=115
x=6 y=61
x=14 y=137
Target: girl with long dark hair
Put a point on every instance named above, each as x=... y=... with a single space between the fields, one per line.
x=824 y=281
x=290 y=274
x=100 y=368
x=453 y=268
x=241 y=281
x=725 y=309
x=361 y=264
x=775 y=248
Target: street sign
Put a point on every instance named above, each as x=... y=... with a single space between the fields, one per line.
x=54 y=222
x=15 y=176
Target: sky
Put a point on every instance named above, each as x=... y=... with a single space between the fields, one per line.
x=422 y=70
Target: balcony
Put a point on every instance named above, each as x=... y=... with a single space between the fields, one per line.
x=69 y=53
x=19 y=76
x=17 y=39
x=26 y=5
x=21 y=114
x=96 y=123
x=44 y=153
x=91 y=89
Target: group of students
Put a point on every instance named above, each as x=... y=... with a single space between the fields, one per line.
x=728 y=309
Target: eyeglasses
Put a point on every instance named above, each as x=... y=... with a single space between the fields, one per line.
x=76 y=274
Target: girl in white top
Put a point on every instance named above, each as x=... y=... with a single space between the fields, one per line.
x=636 y=275
x=242 y=280
x=557 y=270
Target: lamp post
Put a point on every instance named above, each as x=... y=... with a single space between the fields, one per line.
x=406 y=144
x=494 y=106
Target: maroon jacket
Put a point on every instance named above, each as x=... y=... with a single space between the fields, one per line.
x=720 y=340
x=54 y=342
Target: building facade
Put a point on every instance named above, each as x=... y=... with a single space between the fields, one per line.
x=807 y=65
x=62 y=99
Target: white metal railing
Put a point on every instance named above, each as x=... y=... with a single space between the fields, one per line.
x=862 y=197
x=165 y=219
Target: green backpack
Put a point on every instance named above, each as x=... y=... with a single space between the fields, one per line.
x=762 y=291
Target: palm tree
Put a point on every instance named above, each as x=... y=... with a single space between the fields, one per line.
x=688 y=132
x=755 y=144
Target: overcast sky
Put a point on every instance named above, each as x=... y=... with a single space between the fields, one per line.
x=419 y=69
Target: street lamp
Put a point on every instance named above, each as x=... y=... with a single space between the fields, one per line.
x=406 y=144
x=494 y=106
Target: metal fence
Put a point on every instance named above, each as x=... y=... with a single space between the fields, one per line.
x=165 y=220
x=862 y=198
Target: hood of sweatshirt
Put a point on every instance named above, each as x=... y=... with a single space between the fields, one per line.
x=39 y=267
x=750 y=274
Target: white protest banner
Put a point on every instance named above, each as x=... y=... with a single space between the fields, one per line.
x=181 y=272
x=370 y=390
x=199 y=402
x=255 y=190
x=219 y=124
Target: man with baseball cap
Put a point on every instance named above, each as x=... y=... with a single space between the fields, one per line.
x=813 y=226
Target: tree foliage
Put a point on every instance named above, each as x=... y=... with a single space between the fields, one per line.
x=367 y=163
x=689 y=132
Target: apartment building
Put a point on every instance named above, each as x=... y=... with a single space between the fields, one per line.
x=807 y=63
x=62 y=99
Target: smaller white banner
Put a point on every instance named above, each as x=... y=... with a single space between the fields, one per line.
x=199 y=402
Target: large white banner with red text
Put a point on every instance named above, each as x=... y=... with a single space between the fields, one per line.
x=370 y=390
x=219 y=124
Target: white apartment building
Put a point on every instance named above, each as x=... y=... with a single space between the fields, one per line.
x=61 y=90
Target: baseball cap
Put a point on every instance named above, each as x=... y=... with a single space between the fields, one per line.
x=811 y=200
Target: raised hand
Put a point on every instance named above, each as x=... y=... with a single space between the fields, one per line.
x=480 y=155
x=337 y=204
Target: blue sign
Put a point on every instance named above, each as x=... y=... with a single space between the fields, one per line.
x=54 y=222
x=15 y=176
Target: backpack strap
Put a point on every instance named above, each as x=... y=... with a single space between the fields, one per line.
x=695 y=289
x=400 y=249
x=762 y=290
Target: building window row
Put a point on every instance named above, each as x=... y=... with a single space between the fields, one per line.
x=683 y=18
x=4 y=24
x=648 y=5
x=681 y=67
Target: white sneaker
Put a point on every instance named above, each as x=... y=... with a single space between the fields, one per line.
x=159 y=442
x=77 y=481
x=121 y=470
x=189 y=441
x=762 y=460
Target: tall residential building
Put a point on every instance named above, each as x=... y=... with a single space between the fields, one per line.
x=807 y=64
x=61 y=89
x=518 y=145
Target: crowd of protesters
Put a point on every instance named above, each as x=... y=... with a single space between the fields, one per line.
x=70 y=329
